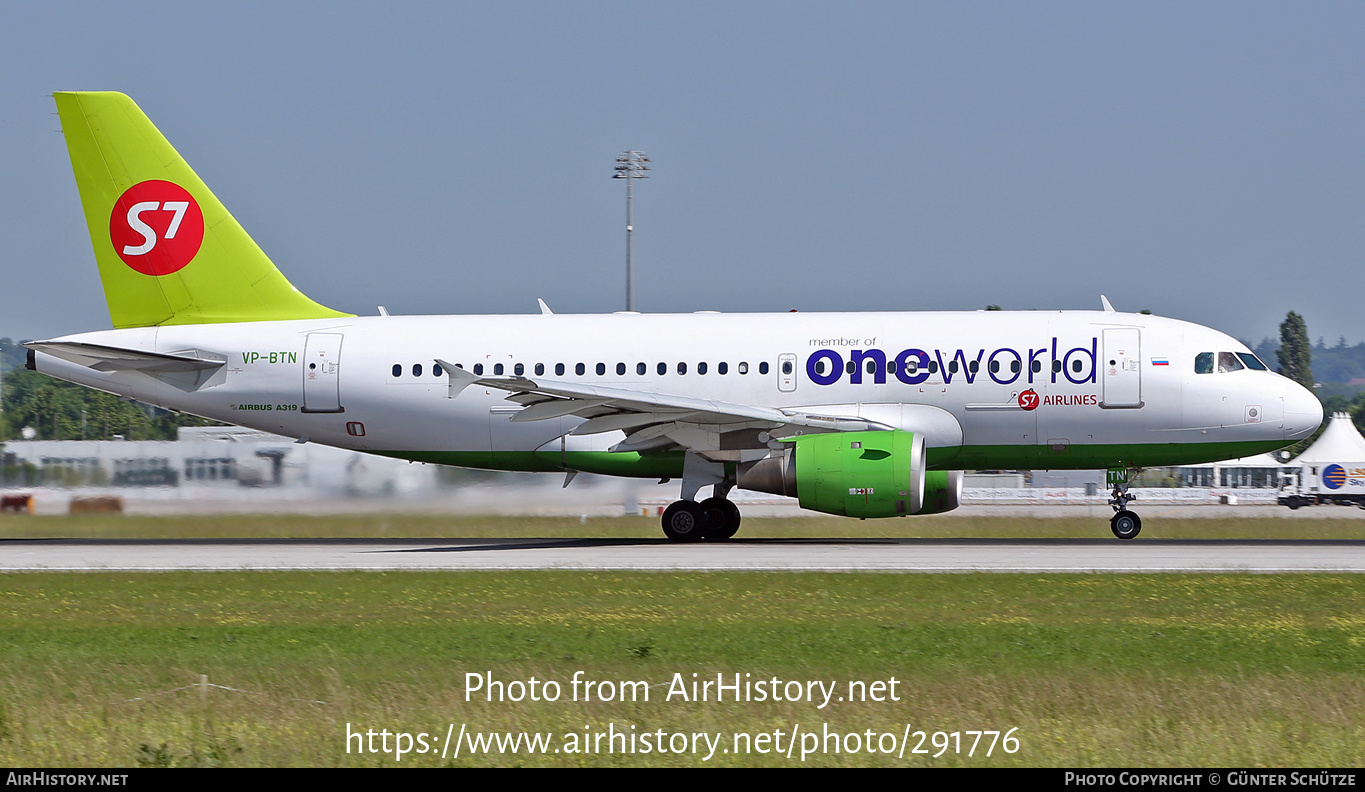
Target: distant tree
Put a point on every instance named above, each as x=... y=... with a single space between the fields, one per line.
x=1145 y=312
x=993 y=308
x=1296 y=352
x=58 y=410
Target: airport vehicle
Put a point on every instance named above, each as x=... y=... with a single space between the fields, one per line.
x=1311 y=485
x=857 y=414
x=1332 y=471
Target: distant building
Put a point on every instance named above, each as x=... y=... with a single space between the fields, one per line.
x=1261 y=471
x=216 y=457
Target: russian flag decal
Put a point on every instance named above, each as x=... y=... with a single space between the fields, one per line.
x=1160 y=362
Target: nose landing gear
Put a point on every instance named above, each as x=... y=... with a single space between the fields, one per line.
x=1125 y=524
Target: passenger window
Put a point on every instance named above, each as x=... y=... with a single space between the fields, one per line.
x=662 y=369
x=641 y=368
x=701 y=368
x=1056 y=366
x=742 y=368
x=478 y=369
x=579 y=368
x=973 y=366
x=519 y=369
x=559 y=369
x=436 y=370
x=540 y=369
x=1014 y=367
x=1228 y=362
x=993 y=366
x=952 y=367
x=1036 y=366
x=722 y=368
x=850 y=367
x=786 y=367
x=1203 y=363
x=416 y=369
x=933 y=367
x=912 y=365
x=620 y=369
x=1076 y=366
x=871 y=367
x=497 y=369
x=763 y=367
x=682 y=368
x=397 y=369
x=601 y=369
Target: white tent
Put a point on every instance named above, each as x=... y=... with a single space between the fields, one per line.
x=1339 y=442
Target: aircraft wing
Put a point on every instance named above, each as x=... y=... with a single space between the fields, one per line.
x=652 y=421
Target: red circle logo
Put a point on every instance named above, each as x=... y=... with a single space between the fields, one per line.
x=1028 y=400
x=156 y=227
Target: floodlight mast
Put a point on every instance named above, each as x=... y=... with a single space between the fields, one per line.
x=631 y=165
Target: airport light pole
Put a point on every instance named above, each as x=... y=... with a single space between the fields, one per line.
x=631 y=165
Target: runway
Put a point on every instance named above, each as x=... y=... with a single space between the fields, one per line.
x=771 y=555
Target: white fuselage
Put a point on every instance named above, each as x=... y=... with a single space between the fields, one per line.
x=1107 y=389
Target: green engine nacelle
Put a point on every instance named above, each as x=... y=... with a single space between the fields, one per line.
x=861 y=474
x=857 y=474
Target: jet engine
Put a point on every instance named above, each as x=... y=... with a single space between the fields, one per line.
x=857 y=474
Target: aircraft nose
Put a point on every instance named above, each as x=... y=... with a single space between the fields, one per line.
x=1302 y=411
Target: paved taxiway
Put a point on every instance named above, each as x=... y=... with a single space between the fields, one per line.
x=884 y=555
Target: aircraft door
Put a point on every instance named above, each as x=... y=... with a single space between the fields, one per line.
x=322 y=373
x=1121 y=368
x=786 y=372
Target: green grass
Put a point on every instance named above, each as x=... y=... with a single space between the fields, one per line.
x=1132 y=670
x=399 y=526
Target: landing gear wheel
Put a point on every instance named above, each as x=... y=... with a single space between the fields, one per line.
x=684 y=521
x=722 y=518
x=1126 y=524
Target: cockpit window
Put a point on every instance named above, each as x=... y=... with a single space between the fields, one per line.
x=1252 y=361
x=1228 y=362
x=1203 y=363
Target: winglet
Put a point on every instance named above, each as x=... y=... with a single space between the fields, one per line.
x=1104 y=303
x=544 y=309
x=458 y=378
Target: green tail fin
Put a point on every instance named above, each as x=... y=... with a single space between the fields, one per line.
x=168 y=251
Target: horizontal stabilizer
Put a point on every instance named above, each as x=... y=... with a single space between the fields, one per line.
x=107 y=358
x=187 y=369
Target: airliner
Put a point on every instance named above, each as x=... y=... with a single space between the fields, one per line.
x=855 y=414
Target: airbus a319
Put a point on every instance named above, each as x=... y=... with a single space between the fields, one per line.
x=856 y=414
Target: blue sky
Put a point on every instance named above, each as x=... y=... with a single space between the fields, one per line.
x=1204 y=161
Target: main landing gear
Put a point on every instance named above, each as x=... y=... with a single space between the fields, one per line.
x=714 y=519
x=1125 y=524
